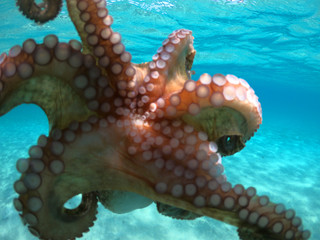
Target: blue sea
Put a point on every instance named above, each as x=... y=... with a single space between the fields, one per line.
x=273 y=44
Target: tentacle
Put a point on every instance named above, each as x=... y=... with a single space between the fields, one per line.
x=171 y=67
x=47 y=182
x=200 y=103
x=43 y=12
x=268 y=220
x=93 y=24
x=175 y=212
x=190 y=175
x=56 y=76
x=83 y=158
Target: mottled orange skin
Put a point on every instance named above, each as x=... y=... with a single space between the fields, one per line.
x=129 y=134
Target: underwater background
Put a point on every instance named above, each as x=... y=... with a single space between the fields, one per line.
x=273 y=44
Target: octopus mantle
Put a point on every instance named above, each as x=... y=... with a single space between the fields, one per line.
x=130 y=134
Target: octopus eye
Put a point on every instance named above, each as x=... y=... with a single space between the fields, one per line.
x=230 y=144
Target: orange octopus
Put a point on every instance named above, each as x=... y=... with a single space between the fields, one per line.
x=130 y=134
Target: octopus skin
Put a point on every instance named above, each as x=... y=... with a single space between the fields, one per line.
x=127 y=135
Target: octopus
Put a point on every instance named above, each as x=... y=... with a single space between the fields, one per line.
x=128 y=135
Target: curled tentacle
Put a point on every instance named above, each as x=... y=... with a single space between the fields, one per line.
x=43 y=12
x=170 y=68
x=216 y=105
x=43 y=191
x=54 y=75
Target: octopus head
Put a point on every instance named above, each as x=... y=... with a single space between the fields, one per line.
x=225 y=126
x=223 y=107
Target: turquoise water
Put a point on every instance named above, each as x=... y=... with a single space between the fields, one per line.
x=274 y=45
